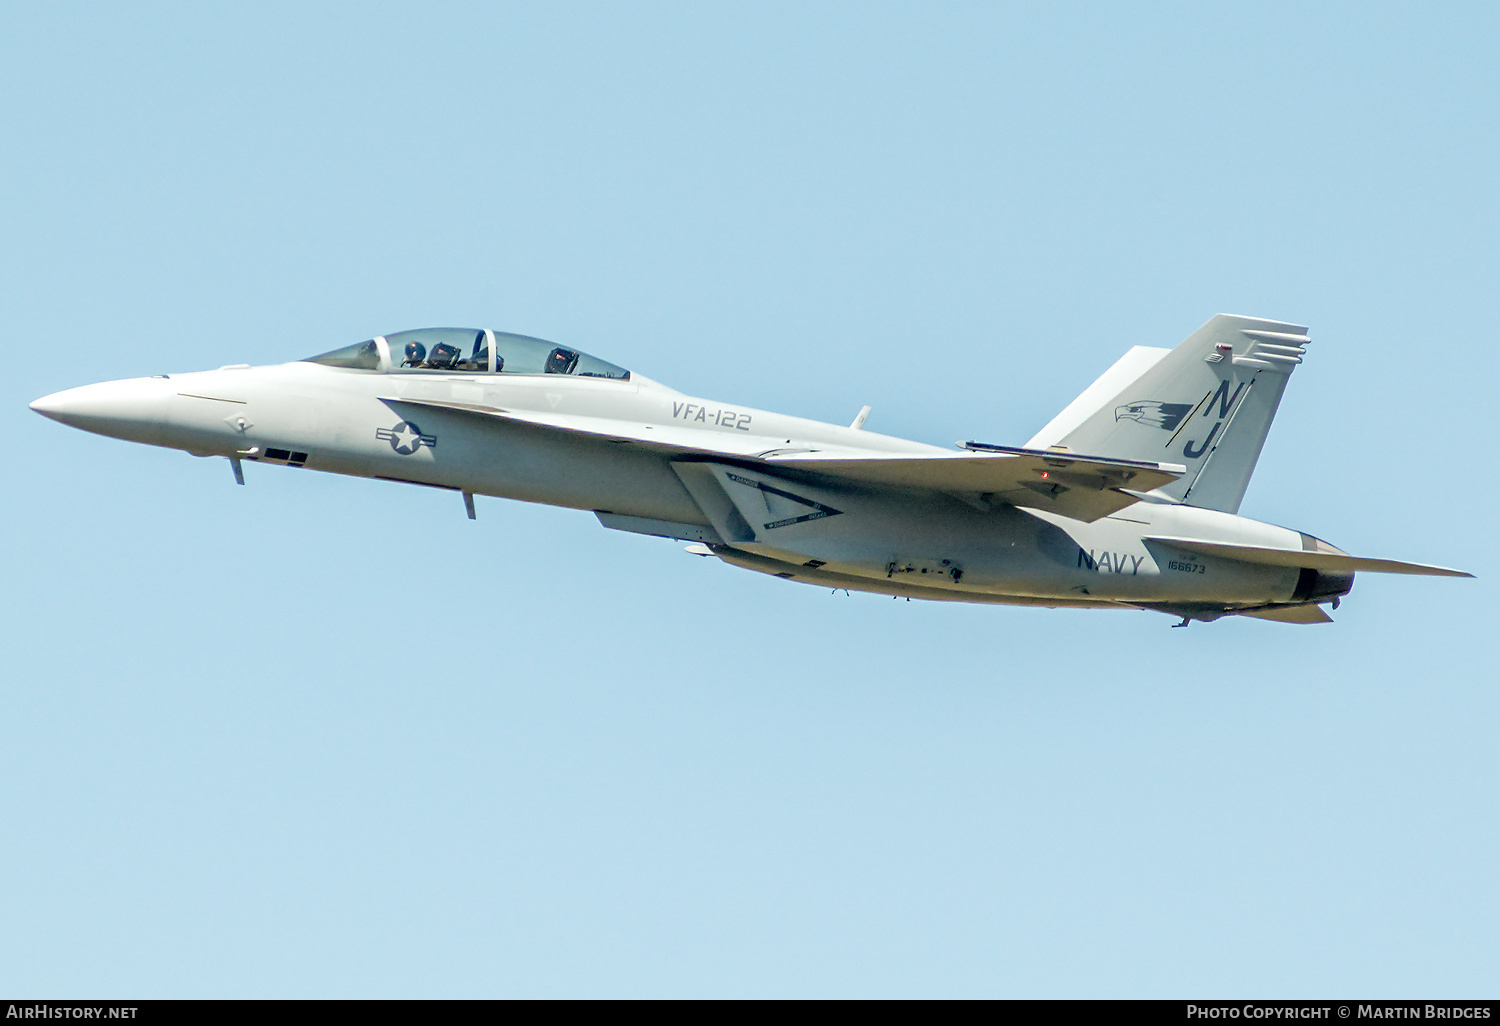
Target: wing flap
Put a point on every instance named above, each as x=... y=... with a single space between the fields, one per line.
x=1315 y=560
x=1079 y=487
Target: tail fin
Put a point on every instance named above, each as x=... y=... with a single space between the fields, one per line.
x=1207 y=404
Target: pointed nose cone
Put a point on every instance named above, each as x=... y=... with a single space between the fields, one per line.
x=130 y=409
x=54 y=405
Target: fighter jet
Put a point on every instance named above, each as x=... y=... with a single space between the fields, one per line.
x=1127 y=499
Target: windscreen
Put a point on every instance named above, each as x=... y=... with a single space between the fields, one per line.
x=360 y=356
x=466 y=350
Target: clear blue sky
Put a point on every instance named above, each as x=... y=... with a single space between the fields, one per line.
x=325 y=737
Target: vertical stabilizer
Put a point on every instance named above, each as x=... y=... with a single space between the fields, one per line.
x=1207 y=404
x=1127 y=368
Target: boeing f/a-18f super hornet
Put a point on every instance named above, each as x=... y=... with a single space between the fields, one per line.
x=1127 y=499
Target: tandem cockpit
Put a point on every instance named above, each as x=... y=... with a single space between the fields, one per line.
x=467 y=351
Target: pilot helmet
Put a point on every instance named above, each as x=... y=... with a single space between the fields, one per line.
x=416 y=352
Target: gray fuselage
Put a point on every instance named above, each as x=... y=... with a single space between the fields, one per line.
x=547 y=438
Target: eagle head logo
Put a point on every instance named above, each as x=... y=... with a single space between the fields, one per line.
x=1148 y=411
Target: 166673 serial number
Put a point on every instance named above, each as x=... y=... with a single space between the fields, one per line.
x=1186 y=568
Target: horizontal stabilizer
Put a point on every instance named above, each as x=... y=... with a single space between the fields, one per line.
x=1338 y=562
x=1079 y=487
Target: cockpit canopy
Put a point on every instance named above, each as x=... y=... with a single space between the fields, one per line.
x=467 y=351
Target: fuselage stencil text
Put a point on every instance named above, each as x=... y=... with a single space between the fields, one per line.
x=719 y=418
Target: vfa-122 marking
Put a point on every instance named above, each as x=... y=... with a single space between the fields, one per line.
x=719 y=416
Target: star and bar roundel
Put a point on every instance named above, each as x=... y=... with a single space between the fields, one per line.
x=406 y=438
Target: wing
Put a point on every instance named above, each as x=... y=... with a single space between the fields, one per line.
x=1320 y=560
x=1079 y=487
